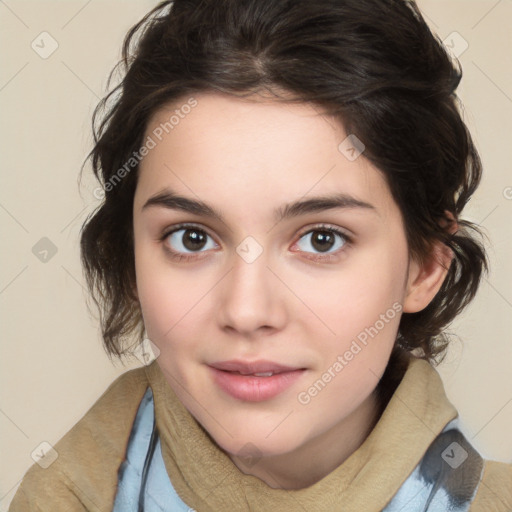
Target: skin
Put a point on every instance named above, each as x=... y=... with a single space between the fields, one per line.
x=245 y=158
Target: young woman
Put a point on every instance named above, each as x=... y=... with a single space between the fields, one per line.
x=283 y=186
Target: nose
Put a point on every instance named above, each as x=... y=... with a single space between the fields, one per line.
x=251 y=301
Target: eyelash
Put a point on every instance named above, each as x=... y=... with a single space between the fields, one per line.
x=175 y=255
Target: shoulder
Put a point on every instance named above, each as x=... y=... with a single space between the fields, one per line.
x=80 y=471
x=494 y=493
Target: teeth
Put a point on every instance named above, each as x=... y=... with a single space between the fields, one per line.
x=264 y=374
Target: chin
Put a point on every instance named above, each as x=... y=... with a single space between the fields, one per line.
x=254 y=442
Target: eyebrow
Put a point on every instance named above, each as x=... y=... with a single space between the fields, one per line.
x=172 y=201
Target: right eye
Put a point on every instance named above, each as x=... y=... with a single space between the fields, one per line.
x=187 y=239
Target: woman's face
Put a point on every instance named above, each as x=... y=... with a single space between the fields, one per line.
x=293 y=265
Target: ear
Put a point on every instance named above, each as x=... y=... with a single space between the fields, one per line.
x=425 y=278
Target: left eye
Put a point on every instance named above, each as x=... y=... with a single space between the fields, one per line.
x=323 y=240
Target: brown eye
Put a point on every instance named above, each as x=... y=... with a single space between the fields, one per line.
x=193 y=240
x=189 y=239
x=322 y=240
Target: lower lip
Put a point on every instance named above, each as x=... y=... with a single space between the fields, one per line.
x=254 y=389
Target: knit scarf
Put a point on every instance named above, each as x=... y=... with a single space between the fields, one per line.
x=414 y=459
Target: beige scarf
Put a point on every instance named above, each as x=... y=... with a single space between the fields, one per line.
x=207 y=480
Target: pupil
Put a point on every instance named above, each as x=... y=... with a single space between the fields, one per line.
x=323 y=240
x=193 y=240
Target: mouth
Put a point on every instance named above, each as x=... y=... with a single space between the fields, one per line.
x=254 y=381
x=257 y=368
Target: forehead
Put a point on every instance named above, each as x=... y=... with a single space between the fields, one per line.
x=258 y=150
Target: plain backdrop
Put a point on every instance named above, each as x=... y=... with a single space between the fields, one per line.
x=53 y=366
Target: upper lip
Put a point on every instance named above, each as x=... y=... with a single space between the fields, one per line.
x=248 y=368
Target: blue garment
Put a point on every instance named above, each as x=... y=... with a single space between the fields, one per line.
x=159 y=494
x=446 y=479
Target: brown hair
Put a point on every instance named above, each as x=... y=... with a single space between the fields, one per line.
x=373 y=64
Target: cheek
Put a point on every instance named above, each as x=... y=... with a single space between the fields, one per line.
x=162 y=293
x=175 y=305
x=165 y=305
x=354 y=297
x=359 y=308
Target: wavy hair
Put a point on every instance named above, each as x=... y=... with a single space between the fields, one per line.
x=372 y=64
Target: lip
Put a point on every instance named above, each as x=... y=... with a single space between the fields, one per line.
x=237 y=379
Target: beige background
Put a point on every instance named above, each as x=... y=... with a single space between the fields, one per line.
x=53 y=366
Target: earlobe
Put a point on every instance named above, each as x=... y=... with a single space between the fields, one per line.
x=425 y=279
